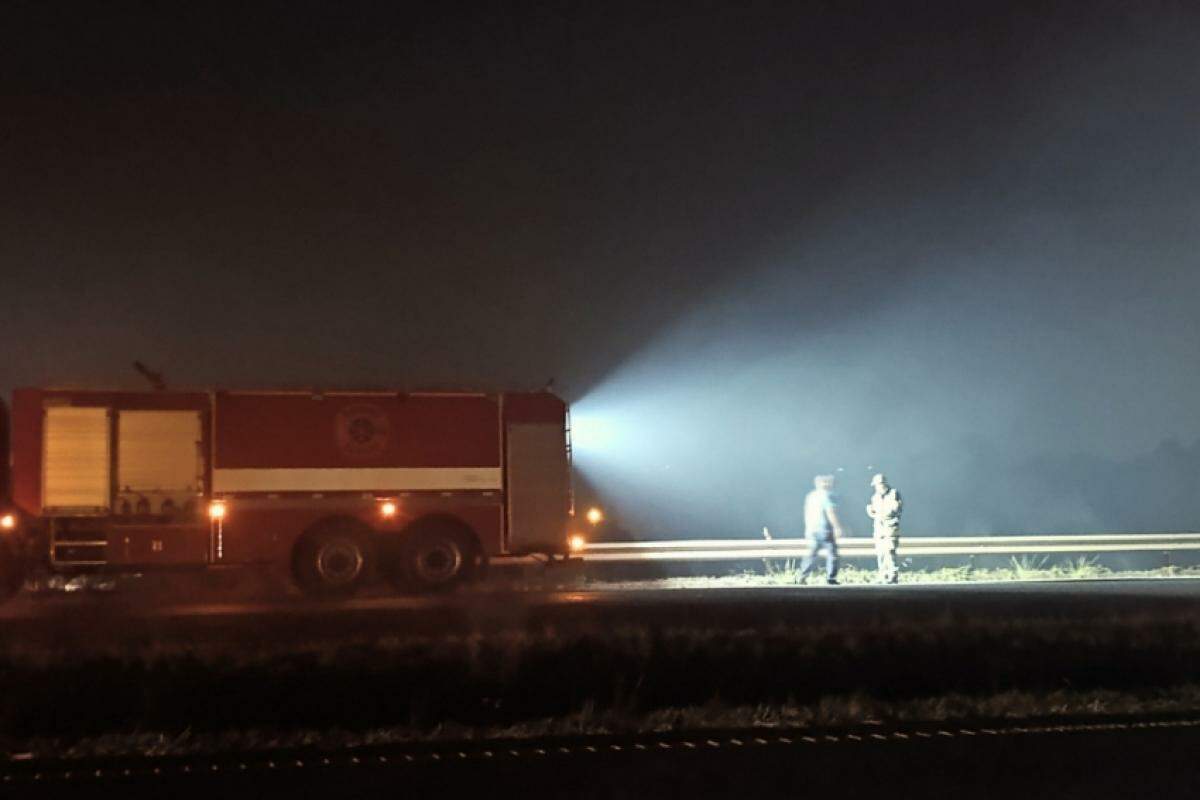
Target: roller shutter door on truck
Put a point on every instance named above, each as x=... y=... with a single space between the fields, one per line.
x=538 y=487
x=76 y=461
x=158 y=459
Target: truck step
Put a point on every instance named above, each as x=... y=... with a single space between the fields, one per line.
x=80 y=547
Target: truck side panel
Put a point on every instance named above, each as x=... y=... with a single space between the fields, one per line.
x=28 y=446
x=5 y=482
x=537 y=473
x=26 y=477
x=303 y=431
x=150 y=440
x=286 y=461
x=261 y=529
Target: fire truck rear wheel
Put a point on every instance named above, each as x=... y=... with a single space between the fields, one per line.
x=439 y=558
x=332 y=560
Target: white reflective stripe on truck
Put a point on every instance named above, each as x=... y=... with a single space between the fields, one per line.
x=355 y=479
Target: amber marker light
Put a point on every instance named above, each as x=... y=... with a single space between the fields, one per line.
x=576 y=543
x=595 y=515
x=8 y=522
x=387 y=509
x=216 y=509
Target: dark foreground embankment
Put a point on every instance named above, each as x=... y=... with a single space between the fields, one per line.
x=1118 y=758
x=504 y=677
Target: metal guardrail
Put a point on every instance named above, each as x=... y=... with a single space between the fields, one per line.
x=864 y=547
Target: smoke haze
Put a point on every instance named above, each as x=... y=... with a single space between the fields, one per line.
x=1009 y=331
x=953 y=241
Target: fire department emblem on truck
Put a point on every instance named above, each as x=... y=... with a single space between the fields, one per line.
x=362 y=431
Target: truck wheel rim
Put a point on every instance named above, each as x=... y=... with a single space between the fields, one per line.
x=339 y=563
x=439 y=562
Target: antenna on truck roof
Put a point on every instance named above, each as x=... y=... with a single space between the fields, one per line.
x=155 y=378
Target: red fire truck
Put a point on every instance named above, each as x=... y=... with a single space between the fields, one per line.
x=421 y=488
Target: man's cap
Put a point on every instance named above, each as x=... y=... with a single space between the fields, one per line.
x=879 y=478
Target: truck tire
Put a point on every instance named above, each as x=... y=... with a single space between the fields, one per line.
x=438 y=556
x=332 y=560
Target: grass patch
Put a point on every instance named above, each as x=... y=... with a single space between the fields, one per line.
x=786 y=572
x=508 y=679
x=825 y=713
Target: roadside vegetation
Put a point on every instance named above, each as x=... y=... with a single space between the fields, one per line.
x=829 y=713
x=786 y=572
x=156 y=698
x=267 y=585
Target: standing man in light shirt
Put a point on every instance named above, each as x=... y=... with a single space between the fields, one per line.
x=884 y=509
x=822 y=528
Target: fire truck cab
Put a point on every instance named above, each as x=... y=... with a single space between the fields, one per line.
x=421 y=488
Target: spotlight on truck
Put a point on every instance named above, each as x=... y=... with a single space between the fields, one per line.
x=595 y=516
x=387 y=509
x=576 y=543
x=216 y=509
x=8 y=522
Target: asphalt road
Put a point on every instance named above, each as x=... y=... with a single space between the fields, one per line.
x=1060 y=759
x=138 y=615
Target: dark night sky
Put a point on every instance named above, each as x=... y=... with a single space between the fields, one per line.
x=993 y=206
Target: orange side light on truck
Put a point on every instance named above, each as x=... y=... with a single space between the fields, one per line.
x=216 y=509
x=576 y=543
x=595 y=515
x=8 y=522
x=387 y=509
